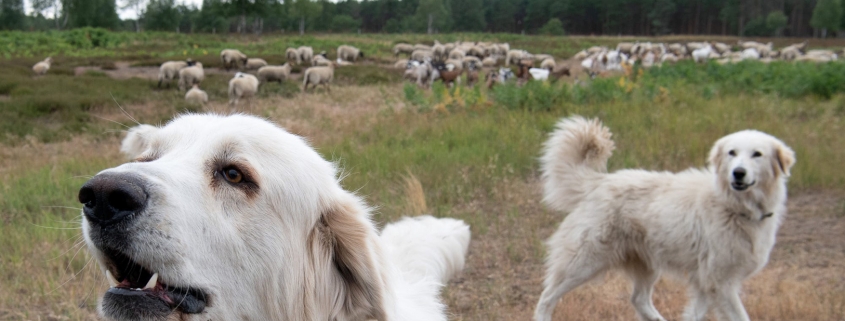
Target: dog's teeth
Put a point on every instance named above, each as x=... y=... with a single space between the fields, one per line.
x=152 y=282
x=112 y=280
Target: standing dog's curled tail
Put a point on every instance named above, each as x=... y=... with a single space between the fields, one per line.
x=575 y=154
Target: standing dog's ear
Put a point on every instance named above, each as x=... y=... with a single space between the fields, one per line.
x=716 y=155
x=137 y=140
x=343 y=245
x=784 y=157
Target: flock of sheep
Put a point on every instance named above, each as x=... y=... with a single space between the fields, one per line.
x=245 y=85
x=447 y=62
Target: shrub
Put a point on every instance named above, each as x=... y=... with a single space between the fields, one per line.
x=553 y=27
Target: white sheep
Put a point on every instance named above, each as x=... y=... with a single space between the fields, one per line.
x=750 y=53
x=318 y=75
x=242 y=86
x=320 y=60
x=471 y=61
x=191 y=75
x=457 y=54
x=581 y=55
x=439 y=50
x=541 y=57
x=401 y=64
x=169 y=70
x=293 y=56
x=196 y=96
x=422 y=47
x=274 y=73
x=490 y=61
x=41 y=67
x=231 y=58
x=305 y=53
x=548 y=63
x=420 y=55
x=349 y=53
x=515 y=55
x=255 y=63
x=702 y=54
x=402 y=48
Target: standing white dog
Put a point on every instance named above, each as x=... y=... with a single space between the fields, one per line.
x=713 y=227
x=233 y=218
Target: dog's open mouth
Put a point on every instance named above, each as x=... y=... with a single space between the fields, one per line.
x=740 y=186
x=138 y=294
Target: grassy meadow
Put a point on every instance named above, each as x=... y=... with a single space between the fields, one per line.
x=469 y=153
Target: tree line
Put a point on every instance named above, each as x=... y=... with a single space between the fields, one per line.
x=801 y=18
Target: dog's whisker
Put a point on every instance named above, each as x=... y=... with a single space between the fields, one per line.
x=124 y=111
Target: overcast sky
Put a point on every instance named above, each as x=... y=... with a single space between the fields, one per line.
x=124 y=14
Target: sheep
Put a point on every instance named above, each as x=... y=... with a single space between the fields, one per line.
x=678 y=49
x=625 y=47
x=596 y=49
x=750 y=53
x=457 y=54
x=648 y=59
x=523 y=74
x=490 y=61
x=293 y=56
x=669 y=57
x=454 y=64
x=192 y=75
x=242 y=86
x=274 y=73
x=402 y=48
x=448 y=77
x=305 y=53
x=420 y=72
x=702 y=54
x=548 y=63
x=231 y=58
x=169 y=70
x=468 y=60
x=320 y=60
x=721 y=48
x=420 y=55
x=472 y=75
x=422 y=47
x=196 y=95
x=41 y=67
x=339 y=62
x=581 y=55
x=401 y=64
x=318 y=75
x=255 y=63
x=476 y=51
x=438 y=50
x=541 y=57
x=349 y=53
x=514 y=56
x=558 y=73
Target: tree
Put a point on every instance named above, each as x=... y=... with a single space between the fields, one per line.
x=553 y=27
x=211 y=17
x=660 y=16
x=776 y=21
x=827 y=15
x=161 y=15
x=432 y=15
x=304 y=11
x=468 y=15
x=344 y=23
x=137 y=5
x=91 y=13
x=11 y=15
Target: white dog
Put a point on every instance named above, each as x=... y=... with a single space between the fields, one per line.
x=233 y=218
x=713 y=227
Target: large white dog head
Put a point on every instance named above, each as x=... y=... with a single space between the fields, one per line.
x=749 y=160
x=230 y=218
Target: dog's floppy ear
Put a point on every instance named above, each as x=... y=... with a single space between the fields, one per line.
x=716 y=155
x=343 y=237
x=137 y=140
x=783 y=158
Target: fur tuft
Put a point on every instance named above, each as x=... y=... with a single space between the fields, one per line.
x=136 y=140
x=427 y=247
x=575 y=153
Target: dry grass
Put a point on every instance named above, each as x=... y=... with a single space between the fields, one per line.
x=47 y=276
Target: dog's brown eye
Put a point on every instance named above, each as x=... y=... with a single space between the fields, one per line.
x=756 y=154
x=732 y=153
x=233 y=175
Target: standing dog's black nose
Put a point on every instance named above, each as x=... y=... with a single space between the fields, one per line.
x=111 y=197
x=739 y=173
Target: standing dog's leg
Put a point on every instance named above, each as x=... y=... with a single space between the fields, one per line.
x=644 y=280
x=698 y=305
x=564 y=274
x=729 y=305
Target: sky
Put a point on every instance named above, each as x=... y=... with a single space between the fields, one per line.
x=124 y=14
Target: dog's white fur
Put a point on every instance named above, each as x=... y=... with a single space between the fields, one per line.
x=692 y=224
x=300 y=248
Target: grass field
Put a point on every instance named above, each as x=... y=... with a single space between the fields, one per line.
x=474 y=152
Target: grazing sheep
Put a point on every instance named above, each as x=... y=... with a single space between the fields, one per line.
x=454 y=64
x=750 y=53
x=581 y=55
x=447 y=76
x=515 y=56
x=490 y=61
x=293 y=56
x=678 y=49
x=349 y=53
x=523 y=74
x=402 y=48
x=468 y=60
x=231 y=58
x=559 y=72
x=721 y=48
x=169 y=70
x=438 y=50
x=401 y=64
x=476 y=51
x=541 y=57
x=472 y=75
x=457 y=54
x=41 y=67
x=625 y=47
x=305 y=53
x=596 y=49
x=340 y=63
x=548 y=63
x=274 y=73
x=702 y=54
x=419 y=72
x=318 y=75
x=242 y=86
x=420 y=55
x=255 y=63
x=422 y=47
x=320 y=60
x=669 y=57
x=189 y=76
x=196 y=95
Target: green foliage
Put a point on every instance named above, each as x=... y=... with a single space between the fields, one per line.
x=11 y=15
x=827 y=15
x=345 y=23
x=554 y=27
x=161 y=15
x=468 y=15
x=776 y=21
x=91 y=13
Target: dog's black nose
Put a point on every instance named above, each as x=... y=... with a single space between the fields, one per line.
x=111 y=197
x=739 y=173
